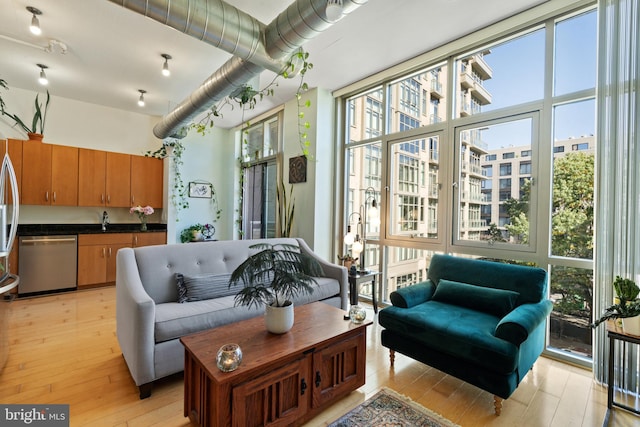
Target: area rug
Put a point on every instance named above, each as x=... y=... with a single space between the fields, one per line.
x=388 y=408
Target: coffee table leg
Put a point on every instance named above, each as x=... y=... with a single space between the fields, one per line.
x=373 y=295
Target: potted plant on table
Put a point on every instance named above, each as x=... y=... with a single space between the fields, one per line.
x=273 y=276
x=36 y=130
x=626 y=308
x=193 y=233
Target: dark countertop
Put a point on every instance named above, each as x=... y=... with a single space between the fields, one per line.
x=58 y=229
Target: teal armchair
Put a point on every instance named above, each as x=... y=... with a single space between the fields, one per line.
x=480 y=321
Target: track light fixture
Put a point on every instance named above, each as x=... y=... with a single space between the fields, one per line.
x=165 y=67
x=141 y=99
x=334 y=10
x=35 y=23
x=43 y=77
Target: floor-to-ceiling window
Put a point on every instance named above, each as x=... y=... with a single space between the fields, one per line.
x=485 y=152
x=260 y=145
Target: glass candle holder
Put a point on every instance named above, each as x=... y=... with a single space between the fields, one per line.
x=229 y=357
x=357 y=314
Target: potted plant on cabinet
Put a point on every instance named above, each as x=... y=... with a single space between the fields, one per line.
x=273 y=276
x=36 y=130
x=626 y=308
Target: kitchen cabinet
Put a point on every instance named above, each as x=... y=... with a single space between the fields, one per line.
x=104 y=178
x=14 y=147
x=49 y=174
x=97 y=256
x=146 y=181
x=149 y=239
x=97 y=253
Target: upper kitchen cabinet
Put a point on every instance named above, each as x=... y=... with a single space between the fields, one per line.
x=104 y=178
x=49 y=174
x=15 y=155
x=146 y=181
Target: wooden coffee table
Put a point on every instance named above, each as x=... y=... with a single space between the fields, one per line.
x=283 y=379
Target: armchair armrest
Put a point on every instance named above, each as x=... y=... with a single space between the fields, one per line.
x=135 y=317
x=516 y=326
x=332 y=271
x=413 y=295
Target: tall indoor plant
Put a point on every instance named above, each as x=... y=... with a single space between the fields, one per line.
x=273 y=276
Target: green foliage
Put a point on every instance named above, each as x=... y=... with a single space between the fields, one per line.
x=39 y=116
x=628 y=306
x=186 y=235
x=286 y=209
x=275 y=274
x=178 y=190
x=301 y=57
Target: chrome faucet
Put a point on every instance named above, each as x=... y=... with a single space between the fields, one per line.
x=105 y=220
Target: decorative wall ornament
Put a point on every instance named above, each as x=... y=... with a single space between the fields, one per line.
x=203 y=190
x=297 y=169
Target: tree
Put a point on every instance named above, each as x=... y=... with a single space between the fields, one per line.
x=518 y=210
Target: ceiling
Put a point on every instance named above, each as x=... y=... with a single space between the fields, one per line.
x=112 y=52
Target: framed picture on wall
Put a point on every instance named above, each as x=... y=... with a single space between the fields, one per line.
x=201 y=190
x=297 y=169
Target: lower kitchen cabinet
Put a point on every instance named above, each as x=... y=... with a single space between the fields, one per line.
x=97 y=253
x=97 y=256
x=149 y=239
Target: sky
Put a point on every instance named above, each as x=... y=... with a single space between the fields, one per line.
x=518 y=77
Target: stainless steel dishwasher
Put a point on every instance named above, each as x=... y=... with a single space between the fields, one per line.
x=47 y=264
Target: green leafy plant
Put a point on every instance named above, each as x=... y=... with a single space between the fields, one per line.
x=301 y=58
x=286 y=209
x=188 y=234
x=39 y=117
x=628 y=304
x=274 y=275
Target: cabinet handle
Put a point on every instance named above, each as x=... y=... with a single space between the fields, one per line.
x=133 y=199
x=318 y=379
x=109 y=252
x=135 y=240
x=103 y=253
x=54 y=197
x=303 y=386
x=101 y=198
x=109 y=199
x=46 y=196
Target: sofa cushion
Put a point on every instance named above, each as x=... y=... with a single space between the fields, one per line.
x=530 y=282
x=498 y=302
x=203 y=286
x=463 y=333
x=174 y=320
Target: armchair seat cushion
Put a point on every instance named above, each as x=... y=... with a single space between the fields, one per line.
x=465 y=334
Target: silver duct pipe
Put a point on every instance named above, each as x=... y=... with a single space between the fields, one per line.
x=226 y=27
x=233 y=74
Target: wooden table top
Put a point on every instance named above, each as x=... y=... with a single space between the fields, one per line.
x=314 y=324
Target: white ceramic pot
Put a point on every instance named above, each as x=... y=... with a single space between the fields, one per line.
x=631 y=325
x=278 y=320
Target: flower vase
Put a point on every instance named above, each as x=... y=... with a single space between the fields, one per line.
x=143 y=224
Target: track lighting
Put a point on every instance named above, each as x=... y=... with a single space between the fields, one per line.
x=334 y=10
x=141 y=99
x=43 y=77
x=165 y=66
x=35 y=23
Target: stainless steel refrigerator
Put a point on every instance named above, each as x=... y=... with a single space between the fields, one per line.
x=9 y=210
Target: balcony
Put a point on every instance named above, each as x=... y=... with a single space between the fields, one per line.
x=481 y=67
x=473 y=83
x=433 y=118
x=436 y=89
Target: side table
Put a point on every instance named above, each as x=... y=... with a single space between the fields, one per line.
x=615 y=332
x=355 y=280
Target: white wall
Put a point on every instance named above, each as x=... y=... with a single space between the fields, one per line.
x=209 y=158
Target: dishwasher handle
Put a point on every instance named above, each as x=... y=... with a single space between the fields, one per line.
x=48 y=240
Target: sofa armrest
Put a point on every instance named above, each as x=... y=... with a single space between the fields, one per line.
x=516 y=326
x=135 y=318
x=332 y=271
x=410 y=296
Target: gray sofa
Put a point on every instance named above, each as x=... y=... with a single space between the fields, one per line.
x=150 y=321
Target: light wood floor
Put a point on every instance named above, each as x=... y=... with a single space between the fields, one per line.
x=64 y=350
